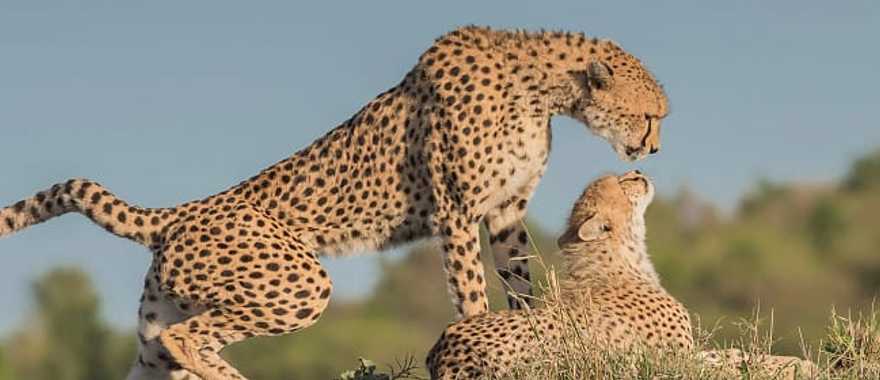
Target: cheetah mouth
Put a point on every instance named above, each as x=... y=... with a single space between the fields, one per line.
x=619 y=144
x=634 y=179
x=644 y=197
x=645 y=184
x=631 y=153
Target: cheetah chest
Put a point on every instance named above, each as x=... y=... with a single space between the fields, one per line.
x=525 y=161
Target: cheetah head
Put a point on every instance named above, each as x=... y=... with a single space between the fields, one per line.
x=618 y=99
x=612 y=208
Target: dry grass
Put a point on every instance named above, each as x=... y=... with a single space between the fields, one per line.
x=850 y=350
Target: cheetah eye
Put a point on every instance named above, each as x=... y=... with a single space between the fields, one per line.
x=606 y=228
x=600 y=75
x=607 y=67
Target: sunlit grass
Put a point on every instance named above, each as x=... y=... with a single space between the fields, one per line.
x=850 y=350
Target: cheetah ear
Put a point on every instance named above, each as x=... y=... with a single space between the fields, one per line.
x=600 y=75
x=592 y=229
x=595 y=228
x=567 y=237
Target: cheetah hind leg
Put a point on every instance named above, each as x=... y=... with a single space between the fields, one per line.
x=155 y=314
x=195 y=345
x=283 y=291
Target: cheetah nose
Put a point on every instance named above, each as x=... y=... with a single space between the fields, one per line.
x=654 y=149
x=630 y=150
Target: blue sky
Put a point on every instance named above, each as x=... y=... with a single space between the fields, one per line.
x=166 y=101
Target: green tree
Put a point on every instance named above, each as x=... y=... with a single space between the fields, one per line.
x=765 y=193
x=825 y=225
x=864 y=173
x=66 y=339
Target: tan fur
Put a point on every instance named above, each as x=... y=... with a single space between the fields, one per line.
x=735 y=362
x=462 y=139
x=609 y=296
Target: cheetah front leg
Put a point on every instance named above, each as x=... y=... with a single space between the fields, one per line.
x=510 y=247
x=464 y=270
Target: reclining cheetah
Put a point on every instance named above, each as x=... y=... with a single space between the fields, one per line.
x=732 y=361
x=610 y=291
x=611 y=298
x=463 y=139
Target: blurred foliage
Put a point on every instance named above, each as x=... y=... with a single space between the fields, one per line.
x=5 y=371
x=794 y=250
x=864 y=173
x=65 y=339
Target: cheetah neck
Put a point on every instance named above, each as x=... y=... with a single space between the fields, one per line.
x=540 y=63
x=639 y=252
x=613 y=262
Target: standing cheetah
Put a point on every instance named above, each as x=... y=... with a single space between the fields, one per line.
x=463 y=139
x=610 y=298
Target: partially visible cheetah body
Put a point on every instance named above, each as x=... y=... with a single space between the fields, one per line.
x=611 y=295
x=463 y=139
x=734 y=362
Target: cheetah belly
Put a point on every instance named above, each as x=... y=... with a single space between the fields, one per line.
x=383 y=232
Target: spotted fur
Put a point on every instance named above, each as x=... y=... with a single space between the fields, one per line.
x=462 y=139
x=735 y=362
x=610 y=295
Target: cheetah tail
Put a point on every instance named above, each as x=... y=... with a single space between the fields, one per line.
x=92 y=200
